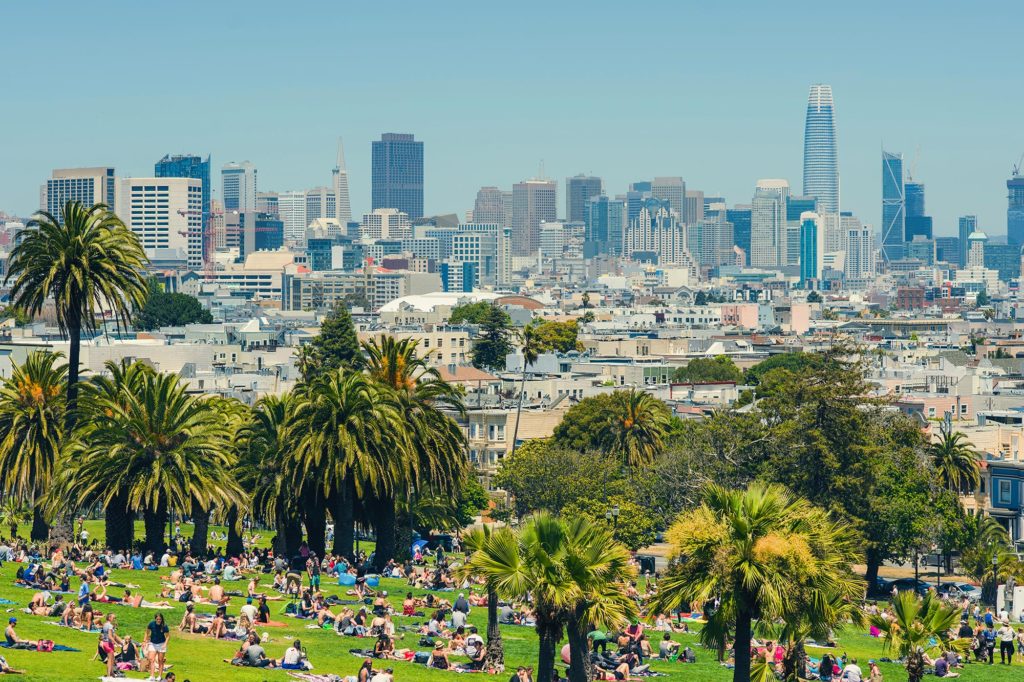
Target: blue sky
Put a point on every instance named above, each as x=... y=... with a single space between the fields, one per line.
x=712 y=91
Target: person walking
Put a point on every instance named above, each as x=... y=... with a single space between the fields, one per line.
x=109 y=641
x=156 y=637
x=1006 y=639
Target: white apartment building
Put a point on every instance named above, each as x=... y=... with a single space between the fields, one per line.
x=291 y=208
x=166 y=214
x=238 y=181
x=87 y=185
x=768 y=231
x=385 y=223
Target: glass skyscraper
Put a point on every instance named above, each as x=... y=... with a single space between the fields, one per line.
x=1015 y=210
x=579 y=190
x=187 y=166
x=397 y=174
x=968 y=225
x=603 y=232
x=821 y=165
x=892 y=206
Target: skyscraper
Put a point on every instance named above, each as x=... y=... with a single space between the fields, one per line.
x=397 y=174
x=860 y=253
x=533 y=201
x=768 y=232
x=693 y=207
x=320 y=203
x=657 y=234
x=739 y=216
x=291 y=208
x=968 y=224
x=339 y=176
x=893 y=209
x=87 y=185
x=913 y=199
x=672 y=190
x=166 y=214
x=489 y=206
x=605 y=224
x=578 y=191
x=811 y=252
x=1015 y=208
x=821 y=169
x=238 y=186
x=187 y=166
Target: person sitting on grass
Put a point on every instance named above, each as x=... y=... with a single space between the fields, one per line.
x=6 y=669
x=218 y=627
x=190 y=623
x=12 y=638
x=383 y=647
x=667 y=648
x=295 y=658
x=439 y=657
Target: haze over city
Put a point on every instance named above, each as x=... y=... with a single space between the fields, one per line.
x=712 y=92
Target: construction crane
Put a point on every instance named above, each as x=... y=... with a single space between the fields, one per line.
x=1017 y=166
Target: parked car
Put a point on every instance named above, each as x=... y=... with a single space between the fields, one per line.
x=907 y=585
x=958 y=591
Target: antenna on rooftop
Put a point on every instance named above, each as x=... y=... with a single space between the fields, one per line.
x=541 y=177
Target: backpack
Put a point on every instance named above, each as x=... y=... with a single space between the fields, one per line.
x=44 y=645
x=421 y=657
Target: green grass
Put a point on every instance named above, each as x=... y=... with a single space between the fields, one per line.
x=199 y=658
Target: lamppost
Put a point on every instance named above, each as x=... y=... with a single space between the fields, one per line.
x=615 y=517
x=995 y=577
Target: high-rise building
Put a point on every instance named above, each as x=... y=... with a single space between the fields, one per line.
x=267 y=202
x=860 y=253
x=913 y=199
x=291 y=208
x=1005 y=258
x=1015 y=209
x=711 y=240
x=166 y=214
x=976 y=250
x=87 y=185
x=968 y=224
x=320 y=203
x=739 y=216
x=533 y=201
x=768 y=230
x=811 y=248
x=579 y=190
x=489 y=206
x=339 y=177
x=385 y=223
x=238 y=186
x=188 y=166
x=893 y=209
x=672 y=190
x=604 y=227
x=947 y=250
x=657 y=235
x=397 y=174
x=821 y=165
x=259 y=232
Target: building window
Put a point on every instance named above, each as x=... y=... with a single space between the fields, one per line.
x=931 y=411
x=1005 y=492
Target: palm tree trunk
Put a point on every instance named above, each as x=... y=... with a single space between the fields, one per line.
x=495 y=657
x=201 y=532
x=74 y=360
x=40 y=529
x=343 y=512
x=873 y=563
x=741 y=673
x=385 y=533
x=548 y=633
x=519 y=409
x=119 y=524
x=579 y=656
x=280 y=544
x=235 y=546
x=314 y=515
x=155 y=520
x=915 y=666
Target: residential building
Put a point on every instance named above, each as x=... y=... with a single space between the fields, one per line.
x=291 y=207
x=768 y=234
x=860 y=254
x=166 y=213
x=533 y=202
x=579 y=190
x=397 y=174
x=893 y=210
x=976 y=250
x=87 y=185
x=238 y=186
x=316 y=290
x=821 y=165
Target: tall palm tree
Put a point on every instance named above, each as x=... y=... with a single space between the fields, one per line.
x=85 y=262
x=920 y=625
x=575 y=573
x=530 y=347
x=160 y=447
x=436 y=461
x=763 y=553
x=32 y=415
x=481 y=543
x=955 y=461
x=235 y=415
x=350 y=444
x=639 y=424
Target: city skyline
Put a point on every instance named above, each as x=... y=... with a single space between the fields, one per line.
x=719 y=144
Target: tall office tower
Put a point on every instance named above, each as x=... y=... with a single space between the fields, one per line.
x=657 y=234
x=821 y=165
x=259 y=232
x=968 y=224
x=397 y=174
x=552 y=239
x=796 y=206
x=976 y=250
x=579 y=190
x=739 y=216
x=188 y=166
x=913 y=199
x=267 y=202
x=339 y=178
x=238 y=186
x=711 y=240
x=693 y=206
x=860 y=254
x=1015 y=208
x=634 y=200
x=385 y=223
x=87 y=185
x=489 y=206
x=947 y=250
x=291 y=208
x=533 y=201
x=768 y=234
x=811 y=248
x=166 y=214
x=320 y=203
x=893 y=209
x=672 y=190
x=604 y=227
x=641 y=186
x=506 y=206
x=847 y=223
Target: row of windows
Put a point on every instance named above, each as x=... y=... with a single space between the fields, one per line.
x=494 y=431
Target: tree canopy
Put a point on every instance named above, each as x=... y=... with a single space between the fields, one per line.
x=708 y=370
x=164 y=309
x=477 y=313
x=495 y=342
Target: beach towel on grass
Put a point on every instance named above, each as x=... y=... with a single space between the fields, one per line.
x=56 y=647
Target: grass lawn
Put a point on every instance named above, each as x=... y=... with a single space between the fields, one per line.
x=199 y=658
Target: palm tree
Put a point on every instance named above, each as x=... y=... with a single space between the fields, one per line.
x=639 y=423
x=955 y=461
x=350 y=444
x=235 y=416
x=86 y=262
x=158 y=448
x=919 y=626
x=481 y=543
x=13 y=513
x=573 y=570
x=764 y=553
x=530 y=348
x=436 y=461
x=32 y=415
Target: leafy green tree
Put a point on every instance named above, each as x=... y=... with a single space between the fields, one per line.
x=164 y=309
x=85 y=263
x=13 y=513
x=760 y=550
x=585 y=423
x=494 y=343
x=982 y=299
x=708 y=370
x=20 y=317
x=795 y=362
x=555 y=336
x=955 y=461
x=634 y=527
x=476 y=313
x=335 y=346
x=814 y=297
x=32 y=416
x=700 y=299
x=920 y=625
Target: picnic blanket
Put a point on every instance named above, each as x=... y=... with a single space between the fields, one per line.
x=56 y=647
x=72 y=627
x=310 y=677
